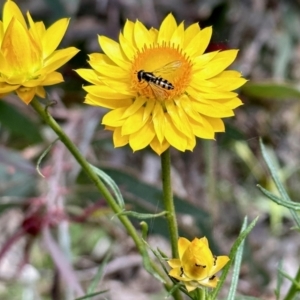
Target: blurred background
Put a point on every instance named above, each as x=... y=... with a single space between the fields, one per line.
x=215 y=185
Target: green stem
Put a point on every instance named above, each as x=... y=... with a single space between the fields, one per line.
x=294 y=289
x=210 y=158
x=168 y=201
x=89 y=171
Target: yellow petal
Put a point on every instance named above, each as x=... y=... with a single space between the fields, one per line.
x=119 y=140
x=113 y=51
x=228 y=83
x=10 y=11
x=109 y=70
x=52 y=78
x=211 y=93
x=199 y=43
x=107 y=103
x=21 y=52
x=114 y=117
x=7 y=88
x=190 y=33
x=26 y=94
x=159 y=121
x=158 y=147
x=209 y=282
x=134 y=107
x=128 y=32
x=216 y=123
x=174 y=136
x=88 y=75
x=174 y=263
x=190 y=287
x=214 y=111
x=59 y=58
x=127 y=47
x=134 y=123
x=203 y=130
x=104 y=91
x=141 y=35
x=177 y=38
x=183 y=244
x=53 y=36
x=179 y=119
x=36 y=30
x=202 y=60
x=218 y=64
x=40 y=91
x=220 y=262
x=142 y=138
x=1 y=31
x=167 y=27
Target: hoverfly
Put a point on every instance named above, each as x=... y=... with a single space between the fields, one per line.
x=155 y=79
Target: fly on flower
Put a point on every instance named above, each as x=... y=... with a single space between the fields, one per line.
x=155 y=79
x=161 y=87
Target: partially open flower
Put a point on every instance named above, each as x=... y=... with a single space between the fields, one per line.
x=196 y=265
x=161 y=87
x=28 y=58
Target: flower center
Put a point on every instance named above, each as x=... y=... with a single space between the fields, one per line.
x=160 y=72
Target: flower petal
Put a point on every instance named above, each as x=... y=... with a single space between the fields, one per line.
x=199 y=43
x=10 y=11
x=141 y=35
x=53 y=36
x=59 y=58
x=142 y=138
x=190 y=33
x=107 y=103
x=113 y=51
x=26 y=54
x=119 y=140
x=167 y=27
x=26 y=94
x=158 y=147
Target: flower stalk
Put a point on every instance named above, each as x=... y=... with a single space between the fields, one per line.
x=169 y=201
x=89 y=171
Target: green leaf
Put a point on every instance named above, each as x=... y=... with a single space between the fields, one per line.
x=90 y=296
x=277 y=182
x=18 y=124
x=142 y=216
x=288 y=204
x=237 y=265
x=99 y=274
x=271 y=90
x=232 y=255
x=111 y=184
x=279 y=282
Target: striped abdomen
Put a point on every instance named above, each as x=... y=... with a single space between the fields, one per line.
x=159 y=81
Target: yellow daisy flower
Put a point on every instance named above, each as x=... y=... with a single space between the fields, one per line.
x=161 y=88
x=196 y=265
x=28 y=58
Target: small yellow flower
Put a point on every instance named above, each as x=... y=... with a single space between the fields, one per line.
x=196 y=265
x=161 y=88
x=28 y=58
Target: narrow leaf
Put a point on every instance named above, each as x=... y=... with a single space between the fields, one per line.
x=237 y=266
x=111 y=184
x=232 y=255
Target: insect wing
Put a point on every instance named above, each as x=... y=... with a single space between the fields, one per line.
x=158 y=91
x=168 y=68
